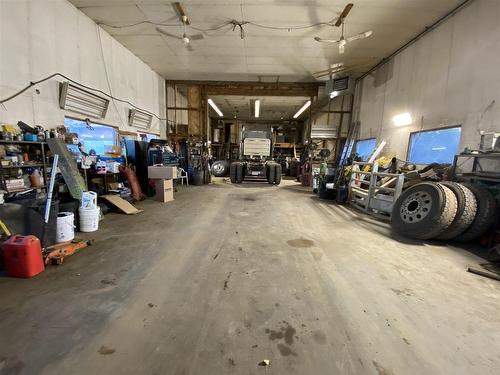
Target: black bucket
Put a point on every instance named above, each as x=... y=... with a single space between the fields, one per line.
x=197 y=178
x=46 y=233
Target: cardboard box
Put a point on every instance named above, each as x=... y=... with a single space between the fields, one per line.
x=113 y=166
x=162 y=173
x=164 y=190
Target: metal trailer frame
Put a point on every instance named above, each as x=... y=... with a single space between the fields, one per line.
x=371 y=200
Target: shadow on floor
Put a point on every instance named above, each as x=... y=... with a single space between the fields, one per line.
x=383 y=228
x=298 y=189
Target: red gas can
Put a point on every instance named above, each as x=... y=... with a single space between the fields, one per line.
x=23 y=256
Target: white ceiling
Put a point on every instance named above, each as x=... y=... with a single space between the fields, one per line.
x=271 y=107
x=294 y=55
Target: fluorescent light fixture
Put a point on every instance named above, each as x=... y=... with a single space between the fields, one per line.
x=73 y=98
x=216 y=109
x=304 y=107
x=333 y=94
x=402 y=119
x=139 y=119
x=323 y=133
x=257 y=108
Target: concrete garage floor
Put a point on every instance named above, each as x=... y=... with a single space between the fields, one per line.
x=227 y=276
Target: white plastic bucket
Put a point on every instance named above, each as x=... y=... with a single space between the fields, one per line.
x=65 y=229
x=89 y=199
x=89 y=219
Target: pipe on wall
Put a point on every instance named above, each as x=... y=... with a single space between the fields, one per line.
x=427 y=30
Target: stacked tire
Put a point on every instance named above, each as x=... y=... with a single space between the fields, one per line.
x=445 y=211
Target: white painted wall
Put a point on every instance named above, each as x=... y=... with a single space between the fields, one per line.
x=41 y=37
x=450 y=76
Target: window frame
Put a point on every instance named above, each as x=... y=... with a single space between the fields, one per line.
x=146 y=133
x=425 y=131
x=364 y=139
x=116 y=128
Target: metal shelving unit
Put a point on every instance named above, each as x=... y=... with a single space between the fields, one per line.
x=43 y=165
x=3 y=141
x=477 y=172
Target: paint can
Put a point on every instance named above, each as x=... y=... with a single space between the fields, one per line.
x=89 y=219
x=65 y=227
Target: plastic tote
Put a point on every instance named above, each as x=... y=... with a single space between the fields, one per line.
x=65 y=227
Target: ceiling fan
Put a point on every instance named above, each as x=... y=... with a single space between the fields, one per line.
x=343 y=40
x=184 y=38
x=180 y=13
x=185 y=21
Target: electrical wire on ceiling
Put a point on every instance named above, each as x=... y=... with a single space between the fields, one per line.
x=215 y=28
x=240 y=25
x=230 y=24
x=291 y=28
x=137 y=24
x=57 y=74
x=233 y=23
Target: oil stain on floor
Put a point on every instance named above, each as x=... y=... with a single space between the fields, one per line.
x=286 y=333
x=300 y=242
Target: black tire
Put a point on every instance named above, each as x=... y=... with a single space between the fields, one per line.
x=324 y=193
x=232 y=172
x=271 y=172
x=424 y=211
x=277 y=174
x=485 y=215
x=239 y=173
x=466 y=211
x=220 y=168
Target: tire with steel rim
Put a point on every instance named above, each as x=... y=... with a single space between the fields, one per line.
x=424 y=211
x=466 y=210
x=485 y=215
x=219 y=168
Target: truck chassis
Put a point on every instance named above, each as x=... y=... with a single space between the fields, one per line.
x=255 y=170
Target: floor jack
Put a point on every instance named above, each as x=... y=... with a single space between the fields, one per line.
x=55 y=254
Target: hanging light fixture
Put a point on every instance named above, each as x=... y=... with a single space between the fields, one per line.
x=257 y=108
x=304 y=107
x=402 y=119
x=215 y=108
x=75 y=99
x=139 y=119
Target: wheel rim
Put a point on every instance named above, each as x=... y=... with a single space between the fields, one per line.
x=218 y=168
x=416 y=207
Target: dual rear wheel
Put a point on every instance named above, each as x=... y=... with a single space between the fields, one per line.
x=236 y=172
x=273 y=173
